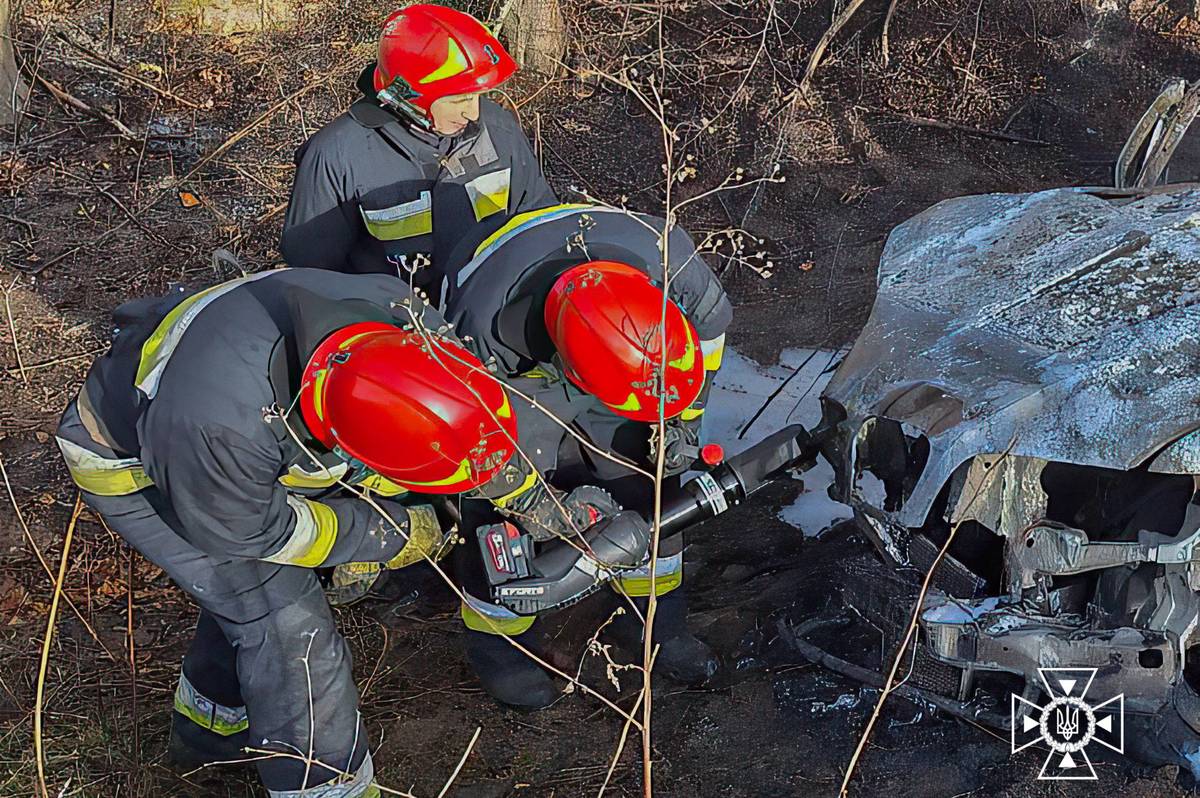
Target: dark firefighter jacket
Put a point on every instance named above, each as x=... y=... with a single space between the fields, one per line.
x=373 y=194
x=188 y=401
x=496 y=302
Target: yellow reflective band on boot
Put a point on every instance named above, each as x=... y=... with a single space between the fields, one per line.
x=359 y=785
x=206 y=713
x=100 y=475
x=424 y=537
x=313 y=536
x=492 y=619
x=668 y=575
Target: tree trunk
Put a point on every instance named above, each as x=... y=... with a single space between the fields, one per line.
x=227 y=17
x=539 y=35
x=12 y=89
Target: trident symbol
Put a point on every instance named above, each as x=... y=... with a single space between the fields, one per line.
x=1067 y=720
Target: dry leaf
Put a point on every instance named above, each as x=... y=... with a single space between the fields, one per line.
x=188 y=199
x=807 y=266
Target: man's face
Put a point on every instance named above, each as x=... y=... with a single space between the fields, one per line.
x=451 y=114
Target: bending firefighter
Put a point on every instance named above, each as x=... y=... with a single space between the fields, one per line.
x=420 y=163
x=566 y=303
x=213 y=437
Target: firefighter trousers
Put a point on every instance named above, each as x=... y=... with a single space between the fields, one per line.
x=267 y=658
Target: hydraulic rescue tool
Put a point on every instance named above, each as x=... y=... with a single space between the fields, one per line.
x=530 y=581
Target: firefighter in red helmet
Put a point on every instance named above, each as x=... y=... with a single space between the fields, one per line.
x=422 y=162
x=569 y=305
x=216 y=437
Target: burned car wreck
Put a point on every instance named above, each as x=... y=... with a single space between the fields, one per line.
x=1029 y=382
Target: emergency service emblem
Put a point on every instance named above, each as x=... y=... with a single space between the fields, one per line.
x=1068 y=724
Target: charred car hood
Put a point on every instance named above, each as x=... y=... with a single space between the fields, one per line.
x=1063 y=325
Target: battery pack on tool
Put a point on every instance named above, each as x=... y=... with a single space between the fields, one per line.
x=506 y=552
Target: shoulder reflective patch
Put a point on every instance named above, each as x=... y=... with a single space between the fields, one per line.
x=514 y=226
x=489 y=193
x=406 y=220
x=158 y=348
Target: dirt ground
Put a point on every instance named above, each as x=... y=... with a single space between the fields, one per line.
x=1043 y=93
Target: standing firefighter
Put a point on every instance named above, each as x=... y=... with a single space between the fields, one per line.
x=567 y=304
x=213 y=437
x=420 y=163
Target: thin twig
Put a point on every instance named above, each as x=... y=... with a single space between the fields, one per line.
x=12 y=327
x=461 y=762
x=50 y=622
x=65 y=97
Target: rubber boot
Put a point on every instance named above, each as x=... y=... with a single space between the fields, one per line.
x=192 y=746
x=682 y=657
x=507 y=674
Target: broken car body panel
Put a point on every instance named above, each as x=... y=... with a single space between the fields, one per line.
x=1021 y=346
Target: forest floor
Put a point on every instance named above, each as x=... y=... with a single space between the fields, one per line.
x=971 y=96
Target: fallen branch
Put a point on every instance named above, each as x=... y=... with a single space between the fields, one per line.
x=12 y=327
x=823 y=44
x=887 y=24
x=461 y=762
x=922 y=121
x=818 y=656
x=68 y=99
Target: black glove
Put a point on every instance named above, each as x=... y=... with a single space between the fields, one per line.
x=683 y=445
x=545 y=512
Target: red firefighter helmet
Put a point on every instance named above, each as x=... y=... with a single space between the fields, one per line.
x=605 y=319
x=432 y=421
x=438 y=52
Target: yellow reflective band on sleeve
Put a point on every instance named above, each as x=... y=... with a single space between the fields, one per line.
x=530 y=480
x=668 y=575
x=381 y=485
x=688 y=359
x=206 y=713
x=406 y=220
x=455 y=64
x=691 y=413
x=714 y=350
x=495 y=623
x=424 y=537
x=313 y=536
x=297 y=477
x=101 y=476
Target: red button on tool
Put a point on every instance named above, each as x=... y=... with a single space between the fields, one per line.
x=712 y=454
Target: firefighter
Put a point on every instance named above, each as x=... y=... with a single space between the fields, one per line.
x=420 y=163
x=213 y=437
x=565 y=302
